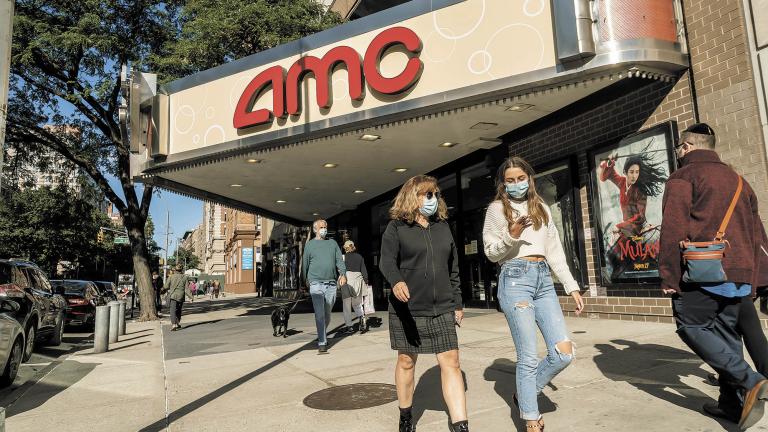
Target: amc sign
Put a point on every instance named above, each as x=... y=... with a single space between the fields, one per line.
x=286 y=85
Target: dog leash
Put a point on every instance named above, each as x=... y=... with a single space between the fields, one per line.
x=294 y=304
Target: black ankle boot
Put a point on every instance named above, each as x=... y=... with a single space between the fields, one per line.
x=461 y=426
x=406 y=425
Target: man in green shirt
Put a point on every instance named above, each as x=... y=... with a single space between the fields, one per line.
x=177 y=291
x=321 y=264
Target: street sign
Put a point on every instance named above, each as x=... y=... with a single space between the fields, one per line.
x=121 y=240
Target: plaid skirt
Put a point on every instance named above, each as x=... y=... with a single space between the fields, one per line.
x=423 y=334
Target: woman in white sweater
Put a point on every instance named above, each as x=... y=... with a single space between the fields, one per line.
x=520 y=235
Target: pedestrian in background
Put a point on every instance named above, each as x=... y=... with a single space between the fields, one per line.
x=352 y=292
x=192 y=287
x=521 y=236
x=157 y=285
x=419 y=260
x=216 y=287
x=322 y=267
x=706 y=204
x=177 y=290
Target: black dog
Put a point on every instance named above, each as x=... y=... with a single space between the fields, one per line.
x=280 y=318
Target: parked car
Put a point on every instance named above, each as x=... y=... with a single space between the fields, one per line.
x=82 y=298
x=41 y=309
x=11 y=342
x=107 y=290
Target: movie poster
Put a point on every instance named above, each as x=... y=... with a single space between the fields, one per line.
x=629 y=179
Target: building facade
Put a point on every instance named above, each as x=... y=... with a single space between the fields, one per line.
x=567 y=85
x=213 y=237
x=243 y=251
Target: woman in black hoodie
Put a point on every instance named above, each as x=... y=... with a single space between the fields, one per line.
x=418 y=258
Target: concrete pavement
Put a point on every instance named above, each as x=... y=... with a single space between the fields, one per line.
x=225 y=372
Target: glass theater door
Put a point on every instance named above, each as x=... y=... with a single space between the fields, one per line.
x=555 y=186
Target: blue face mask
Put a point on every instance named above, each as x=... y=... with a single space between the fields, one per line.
x=429 y=207
x=517 y=190
x=323 y=232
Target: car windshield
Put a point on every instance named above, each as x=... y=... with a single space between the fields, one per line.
x=75 y=287
x=5 y=274
x=104 y=287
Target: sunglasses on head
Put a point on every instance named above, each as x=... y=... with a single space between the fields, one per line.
x=431 y=194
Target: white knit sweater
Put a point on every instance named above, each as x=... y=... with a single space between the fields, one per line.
x=500 y=247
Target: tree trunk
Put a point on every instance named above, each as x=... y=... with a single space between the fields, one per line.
x=142 y=277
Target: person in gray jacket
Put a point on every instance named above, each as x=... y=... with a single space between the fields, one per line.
x=177 y=291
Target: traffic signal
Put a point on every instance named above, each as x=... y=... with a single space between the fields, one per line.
x=100 y=236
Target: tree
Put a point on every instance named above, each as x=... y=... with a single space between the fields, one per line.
x=218 y=32
x=184 y=257
x=34 y=225
x=65 y=71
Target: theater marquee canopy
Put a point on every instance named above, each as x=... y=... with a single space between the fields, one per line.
x=321 y=124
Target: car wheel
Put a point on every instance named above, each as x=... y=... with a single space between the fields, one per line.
x=58 y=333
x=14 y=361
x=31 y=333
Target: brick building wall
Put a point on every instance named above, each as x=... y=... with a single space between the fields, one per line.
x=725 y=87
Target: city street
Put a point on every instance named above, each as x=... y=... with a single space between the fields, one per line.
x=226 y=372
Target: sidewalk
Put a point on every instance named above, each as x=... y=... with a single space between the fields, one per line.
x=225 y=372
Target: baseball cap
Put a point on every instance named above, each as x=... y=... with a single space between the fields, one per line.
x=701 y=129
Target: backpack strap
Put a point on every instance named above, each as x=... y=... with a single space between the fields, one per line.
x=721 y=231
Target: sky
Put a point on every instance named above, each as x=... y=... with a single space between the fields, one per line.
x=185 y=213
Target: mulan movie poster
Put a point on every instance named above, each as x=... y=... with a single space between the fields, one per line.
x=630 y=180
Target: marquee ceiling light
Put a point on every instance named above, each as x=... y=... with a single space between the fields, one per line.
x=400 y=170
x=484 y=125
x=330 y=165
x=255 y=161
x=359 y=191
x=315 y=214
x=235 y=185
x=280 y=201
x=369 y=137
x=448 y=144
x=298 y=188
x=520 y=107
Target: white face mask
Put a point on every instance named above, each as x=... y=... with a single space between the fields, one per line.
x=323 y=232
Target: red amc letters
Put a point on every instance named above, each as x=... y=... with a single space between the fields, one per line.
x=286 y=98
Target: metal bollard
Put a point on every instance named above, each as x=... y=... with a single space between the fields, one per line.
x=114 y=317
x=101 y=334
x=121 y=319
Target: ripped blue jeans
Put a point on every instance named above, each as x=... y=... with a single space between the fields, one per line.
x=527 y=297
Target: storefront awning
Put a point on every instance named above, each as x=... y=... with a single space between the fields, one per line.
x=317 y=126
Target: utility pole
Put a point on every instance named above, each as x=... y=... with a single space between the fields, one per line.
x=6 y=34
x=167 y=232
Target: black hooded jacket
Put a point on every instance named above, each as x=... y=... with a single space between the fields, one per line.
x=426 y=260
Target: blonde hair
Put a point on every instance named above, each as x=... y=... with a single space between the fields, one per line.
x=536 y=210
x=406 y=205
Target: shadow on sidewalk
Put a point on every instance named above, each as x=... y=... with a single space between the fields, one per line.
x=654 y=369
x=162 y=423
x=64 y=376
x=429 y=395
x=503 y=372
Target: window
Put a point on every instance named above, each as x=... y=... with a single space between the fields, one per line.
x=5 y=274
x=19 y=278
x=555 y=186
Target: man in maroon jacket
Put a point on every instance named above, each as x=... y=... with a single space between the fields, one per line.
x=696 y=200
